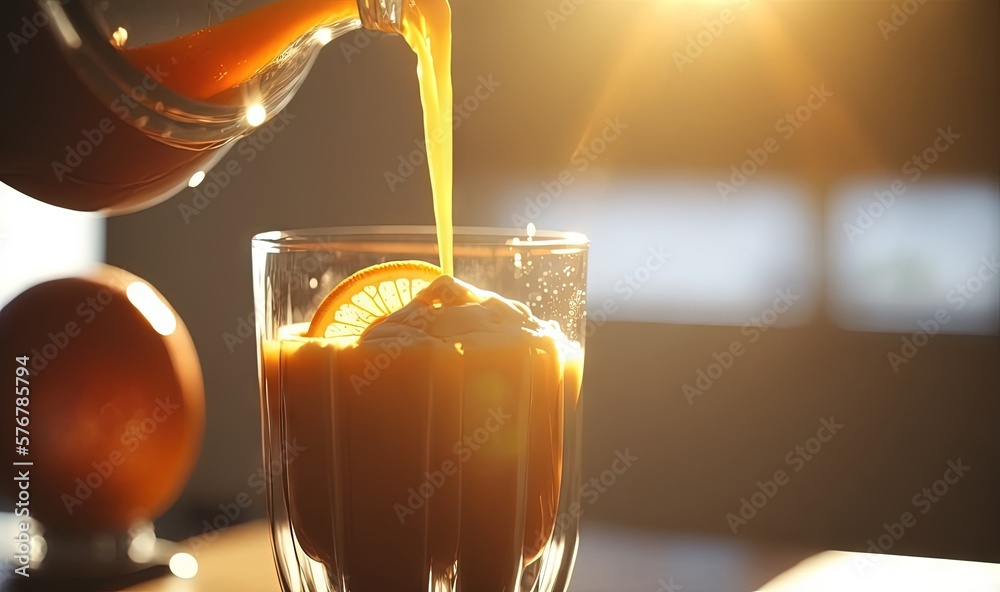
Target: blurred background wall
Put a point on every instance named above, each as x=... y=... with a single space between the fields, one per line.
x=802 y=267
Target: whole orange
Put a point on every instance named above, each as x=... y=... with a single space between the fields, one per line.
x=113 y=396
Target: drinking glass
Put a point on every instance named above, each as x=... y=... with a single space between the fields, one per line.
x=422 y=466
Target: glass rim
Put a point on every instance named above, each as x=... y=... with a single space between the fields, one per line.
x=481 y=240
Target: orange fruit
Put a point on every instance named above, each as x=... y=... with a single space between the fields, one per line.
x=115 y=395
x=370 y=294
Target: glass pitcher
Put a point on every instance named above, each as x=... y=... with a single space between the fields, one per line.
x=113 y=106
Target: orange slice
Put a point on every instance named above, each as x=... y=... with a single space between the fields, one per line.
x=368 y=295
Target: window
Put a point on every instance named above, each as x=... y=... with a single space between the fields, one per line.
x=898 y=257
x=673 y=251
x=40 y=242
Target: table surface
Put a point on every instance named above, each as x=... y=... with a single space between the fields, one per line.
x=613 y=559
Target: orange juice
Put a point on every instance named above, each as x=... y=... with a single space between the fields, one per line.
x=205 y=63
x=438 y=454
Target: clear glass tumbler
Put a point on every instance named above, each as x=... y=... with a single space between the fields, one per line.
x=437 y=465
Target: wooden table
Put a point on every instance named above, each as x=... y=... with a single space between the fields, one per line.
x=617 y=560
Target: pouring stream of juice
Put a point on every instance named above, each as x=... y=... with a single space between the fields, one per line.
x=203 y=64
